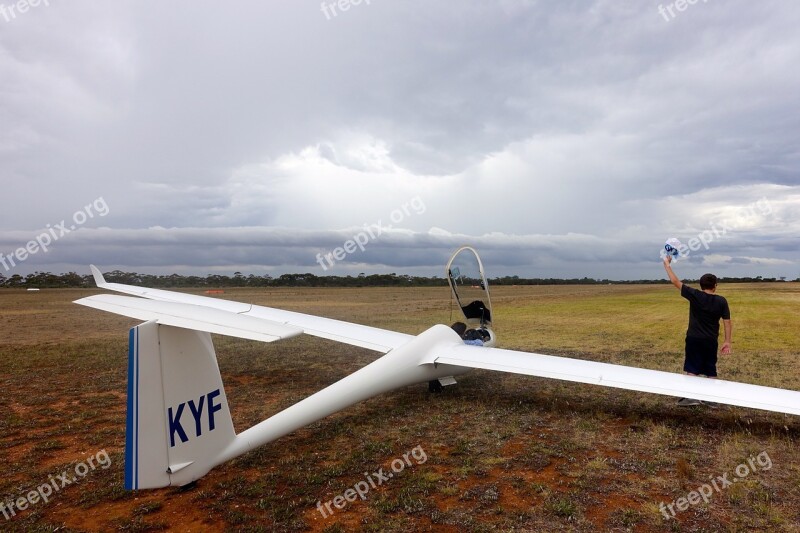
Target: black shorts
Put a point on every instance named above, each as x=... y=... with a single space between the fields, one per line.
x=701 y=356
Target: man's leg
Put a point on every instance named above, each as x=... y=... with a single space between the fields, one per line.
x=691 y=367
x=710 y=365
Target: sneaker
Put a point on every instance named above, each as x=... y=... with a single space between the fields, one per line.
x=435 y=386
x=685 y=402
x=713 y=405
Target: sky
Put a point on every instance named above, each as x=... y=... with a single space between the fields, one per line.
x=559 y=138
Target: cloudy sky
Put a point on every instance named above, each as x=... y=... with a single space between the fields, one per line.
x=561 y=138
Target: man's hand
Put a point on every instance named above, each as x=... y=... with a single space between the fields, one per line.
x=667 y=260
x=726 y=348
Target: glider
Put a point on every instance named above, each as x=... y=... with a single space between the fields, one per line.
x=178 y=423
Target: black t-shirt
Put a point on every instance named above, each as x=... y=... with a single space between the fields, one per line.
x=705 y=310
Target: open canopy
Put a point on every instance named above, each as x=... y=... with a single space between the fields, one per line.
x=470 y=289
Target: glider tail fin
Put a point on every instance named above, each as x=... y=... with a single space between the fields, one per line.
x=178 y=419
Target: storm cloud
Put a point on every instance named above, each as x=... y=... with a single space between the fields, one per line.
x=563 y=139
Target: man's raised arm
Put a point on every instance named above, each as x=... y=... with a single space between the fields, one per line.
x=672 y=277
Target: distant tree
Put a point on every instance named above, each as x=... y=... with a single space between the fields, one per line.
x=215 y=280
x=71 y=279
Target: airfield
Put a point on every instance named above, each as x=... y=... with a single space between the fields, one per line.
x=503 y=452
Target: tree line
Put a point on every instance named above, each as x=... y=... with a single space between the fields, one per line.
x=42 y=280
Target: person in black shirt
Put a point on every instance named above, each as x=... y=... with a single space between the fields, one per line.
x=706 y=308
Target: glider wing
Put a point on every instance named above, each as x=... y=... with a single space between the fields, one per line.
x=379 y=340
x=623 y=377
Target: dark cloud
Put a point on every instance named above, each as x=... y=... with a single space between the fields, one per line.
x=566 y=138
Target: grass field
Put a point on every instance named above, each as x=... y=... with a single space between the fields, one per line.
x=504 y=452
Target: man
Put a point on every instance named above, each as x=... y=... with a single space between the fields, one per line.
x=706 y=308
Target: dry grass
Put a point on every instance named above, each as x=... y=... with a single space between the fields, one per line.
x=505 y=452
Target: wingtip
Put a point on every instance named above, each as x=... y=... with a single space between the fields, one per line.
x=99 y=280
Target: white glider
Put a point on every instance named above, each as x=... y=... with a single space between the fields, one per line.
x=179 y=426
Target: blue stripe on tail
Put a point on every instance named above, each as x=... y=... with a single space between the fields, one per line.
x=131 y=469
